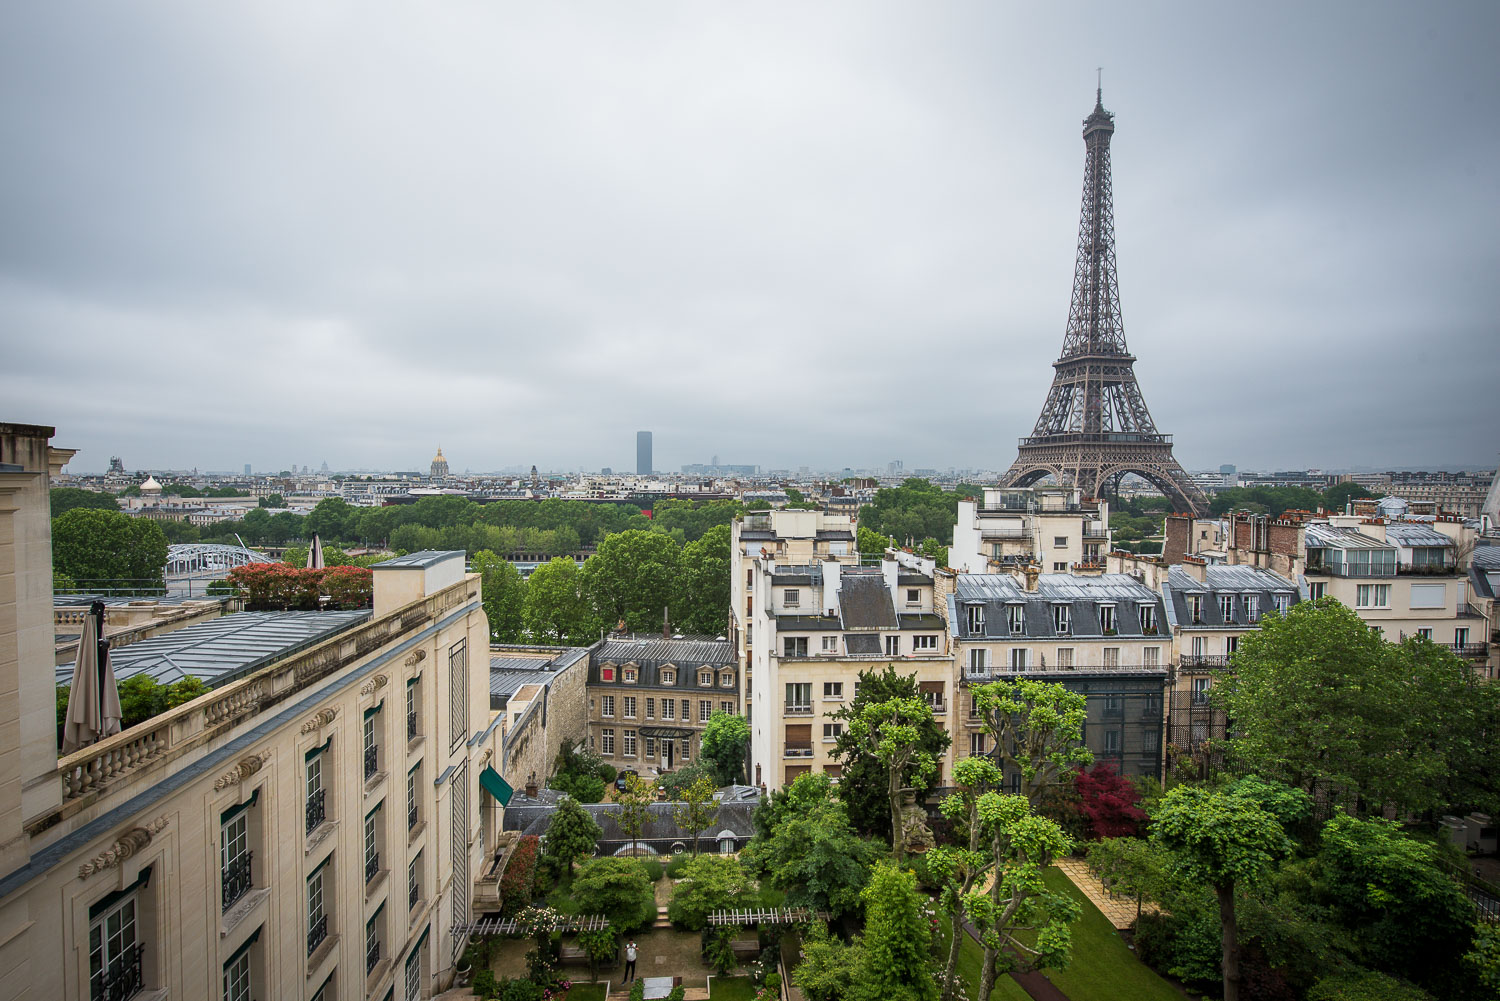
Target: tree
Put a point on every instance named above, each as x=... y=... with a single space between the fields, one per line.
x=697 y=809
x=617 y=888
x=1226 y=840
x=871 y=543
x=504 y=595
x=704 y=603
x=633 y=576
x=1136 y=867
x=1037 y=728
x=893 y=963
x=892 y=731
x=957 y=869
x=828 y=967
x=866 y=779
x=913 y=511
x=1109 y=802
x=710 y=883
x=333 y=519
x=814 y=856
x=725 y=738
x=573 y=834
x=107 y=549
x=272 y=500
x=554 y=609
x=635 y=806
x=806 y=791
x=1340 y=494
x=69 y=498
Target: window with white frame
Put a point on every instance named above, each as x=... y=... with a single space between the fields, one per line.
x=727 y=708
x=1425 y=632
x=913 y=596
x=706 y=678
x=1426 y=595
x=1111 y=656
x=979 y=660
x=976 y=745
x=316 y=797
x=1107 y=619
x=705 y=709
x=1111 y=741
x=668 y=676
x=414 y=881
x=974 y=619
x=1148 y=619
x=607 y=705
x=791 y=598
x=1015 y=619
x=115 y=950
x=630 y=675
x=832 y=731
x=1151 y=656
x=893 y=645
x=317 y=907
x=668 y=708
x=831 y=643
x=726 y=679
x=458 y=694
x=1252 y=608
x=1061 y=566
x=607 y=742
x=412 y=986
x=1060 y=618
x=799 y=695
x=1461 y=636
x=650 y=708
x=833 y=690
x=1065 y=656
x=1195 y=608
x=372 y=844
x=629 y=701
x=373 y=939
x=1372 y=596
x=1231 y=644
x=650 y=743
x=1020 y=658
x=791 y=646
x=235 y=854
x=1282 y=601
x=685 y=749
x=1226 y=607
x=628 y=740
x=237 y=975
x=924 y=643
x=1200 y=690
x=1316 y=589
x=413 y=800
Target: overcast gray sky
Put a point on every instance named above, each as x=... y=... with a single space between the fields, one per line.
x=788 y=234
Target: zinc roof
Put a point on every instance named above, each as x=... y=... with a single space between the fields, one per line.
x=690 y=652
x=1409 y=534
x=1329 y=537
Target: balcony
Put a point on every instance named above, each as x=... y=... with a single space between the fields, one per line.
x=1016 y=534
x=1425 y=570
x=797 y=710
x=1471 y=649
x=316 y=811
x=938 y=708
x=122 y=979
x=372 y=956
x=411 y=816
x=798 y=751
x=236 y=879
x=372 y=760
x=1203 y=661
x=372 y=866
x=316 y=933
x=411 y=725
x=413 y=894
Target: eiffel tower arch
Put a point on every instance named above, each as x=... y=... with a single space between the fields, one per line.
x=1095 y=424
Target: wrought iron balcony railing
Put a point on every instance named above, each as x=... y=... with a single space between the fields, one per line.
x=411 y=816
x=372 y=865
x=316 y=811
x=316 y=933
x=236 y=879
x=372 y=760
x=122 y=979
x=799 y=752
x=372 y=956
x=798 y=709
x=1203 y=660
x=411 y=725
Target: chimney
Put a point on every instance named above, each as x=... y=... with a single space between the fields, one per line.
x=666 y=625
x=1032 y=572
x=531 y=789
x=1195 y=568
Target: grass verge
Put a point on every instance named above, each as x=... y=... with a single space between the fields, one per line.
x=732 y=989
x=1103 y=967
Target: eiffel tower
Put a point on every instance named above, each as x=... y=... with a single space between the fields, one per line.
x=1095 y=425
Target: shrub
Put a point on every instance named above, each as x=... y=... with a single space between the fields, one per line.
x=653 y=868
x=709 y=883
x=583 y=788
x=1366 y=986
x=678 y=863
x=349 y=587
x=638 y=990
x=518 y=883
x=518 y=990
x=618 y=889
x=718 y=952
x=485 y=985
x=677 y=993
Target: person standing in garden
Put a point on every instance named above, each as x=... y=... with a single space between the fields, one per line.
x=630 y=961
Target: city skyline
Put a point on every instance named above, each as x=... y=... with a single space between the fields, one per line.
x=790 y=237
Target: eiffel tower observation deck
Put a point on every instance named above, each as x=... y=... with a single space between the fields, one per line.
x=1095 y=426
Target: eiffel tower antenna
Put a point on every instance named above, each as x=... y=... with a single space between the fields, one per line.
x=1095 y=425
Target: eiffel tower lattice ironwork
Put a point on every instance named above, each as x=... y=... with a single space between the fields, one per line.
x=1095 y=425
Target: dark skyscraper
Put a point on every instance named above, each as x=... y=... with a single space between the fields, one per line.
x=643 y=453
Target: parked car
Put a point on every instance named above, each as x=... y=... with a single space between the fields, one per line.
x=620 y=779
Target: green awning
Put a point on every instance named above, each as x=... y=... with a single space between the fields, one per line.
x=492 y=783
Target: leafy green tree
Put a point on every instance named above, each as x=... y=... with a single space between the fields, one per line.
x=710 y=883
x=814 y=856
x=894 y=964
x=68 y=498
x=678 y=780
x=697 y=808
x=915 y=510
x=572 y=835
x=633 y=576
x=958 y=868
x=828 y=968
x=1135 y=867
x=601 y=945
x=1037 y=727
x=272 y=500
x=1366 y=985
x=554 y=609
x=1228 y=841
x=617 y=888
x=635 y=805
x=866 y=779
x=1336 y=496
x=893 y=733
x=334 y=519
x=704 y=604
x=504 y=595
x=806 y=791
x=107 y=549
x=725 y=738
x=871 y=543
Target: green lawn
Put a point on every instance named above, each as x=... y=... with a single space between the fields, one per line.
x=970 y=958
x=1103 y=968
x=731 y=989
x=586 y=992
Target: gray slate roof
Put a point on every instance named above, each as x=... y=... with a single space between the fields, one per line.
x=684 y=652
x=1082 y=594
x=1409 y=534
x=1327 y=537
x=420 y=559
x=1239 y=581
x=223 y=649
x=866 y=602
x=1484 y=571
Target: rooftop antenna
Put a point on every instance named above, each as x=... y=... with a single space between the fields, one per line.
x=1099 y=93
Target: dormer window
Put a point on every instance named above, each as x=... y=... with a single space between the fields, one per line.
x=1195 y=608
x=1282 y=601
x=726 y=679
x=1252 y=608
x=668 y=676
x=630 y=675
x=1015 y=618
x=1226 y=607
x=607 y=672
x=1148 y=620
x=1107 y=619
x=705 y=679
x=974 y=619
x=1060 y=618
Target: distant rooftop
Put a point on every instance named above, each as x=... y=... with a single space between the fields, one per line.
x=419 y=559
x=226 y=648
x=695 y=650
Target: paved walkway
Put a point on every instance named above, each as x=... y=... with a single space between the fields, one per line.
x=1119 y=910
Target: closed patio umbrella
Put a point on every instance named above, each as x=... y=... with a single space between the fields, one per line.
x=315 y=554
x=94 y=702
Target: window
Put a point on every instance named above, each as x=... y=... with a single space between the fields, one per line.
x=650 y=747
x=706 y=678
x=893 y=646
x=833 y=690
x=234 y=855
x=1373 y=595
x=726 y=679
x=1111 y=741
x=1015 y=619
x=1226 y=607
x=932 y=694
x=1252 y=608
x=316 y=809
x=1111 y=656
x=372 y=844
x=668 y=708
x=115 y=953
x=913 y=596
x=1200 y=690
x=629 y=743
x=668 y=676
x=928 y=642
x=629 y=706
x=1426 y=595
x=1058 y=541
x=1019 y=659
x=1231 y=644
x=831 y=644
x=412 y=979
x=607 y=705
x=1065 y=656
x=1107 y=619
x=317 y=913
x=979 y=660
x=1151 y=656
x=650 y=708
x=799 y=696
x=630 y=675
x=458 y=693
x=687 y=713
x=1060 y=567
x=1425 y=633
x=1197 y=647
x=1151 y=738
x=237 y=976
x=792 y=598
x=1282 y=601
x=372 y=749
x=1316 y=590
x=1461 y=636
x=1148 y=620
x=684 y=749
x=1195 y=608
x=412 y=779
x=413 y=708
x=832 y=731
x=974 y=619
x=607 y=742
x=372 y=940
x=791 y=646
x=976 y=745
x=1060 y=615
x=607 y=672
x=705 y=709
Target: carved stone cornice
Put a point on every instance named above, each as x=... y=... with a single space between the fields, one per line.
x=416 y=658
x=128 y=844
x=373 y=685
x=320 y=719
x=247 y=766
